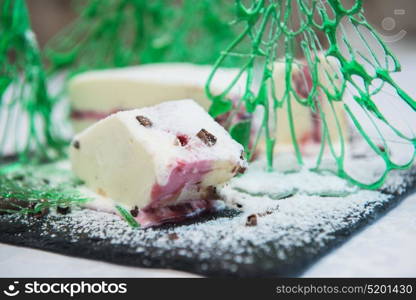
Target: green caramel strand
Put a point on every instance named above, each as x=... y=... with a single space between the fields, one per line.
x=281 y=30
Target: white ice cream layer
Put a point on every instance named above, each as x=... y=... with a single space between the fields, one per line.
x=105 y=91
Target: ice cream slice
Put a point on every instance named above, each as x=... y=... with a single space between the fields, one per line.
x=161 y=162
x=97 y=94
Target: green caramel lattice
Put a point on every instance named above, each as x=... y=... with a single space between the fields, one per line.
x=26 y=126
x=355 y=62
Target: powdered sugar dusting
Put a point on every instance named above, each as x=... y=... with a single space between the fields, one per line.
x=297 y=222
x=279 y=185
x=289 y=231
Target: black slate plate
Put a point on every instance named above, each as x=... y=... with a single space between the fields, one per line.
x=284 y=243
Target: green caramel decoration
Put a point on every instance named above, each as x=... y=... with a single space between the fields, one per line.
x=282 y=30
x=26 y=127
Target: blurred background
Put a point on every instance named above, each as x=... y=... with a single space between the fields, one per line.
x=393 y=19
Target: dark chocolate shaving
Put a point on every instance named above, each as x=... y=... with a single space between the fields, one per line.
x=251 y=220
x=173 y=236
x=208 y=138
x=63 y=210
x=144 y=121
x=76 y=144
x=135 y=211
x=242 y=170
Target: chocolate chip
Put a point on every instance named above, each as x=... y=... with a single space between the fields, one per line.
x=144 y=121
x=239 y=205
x=173 y=236
x=63 y=210
x=76 y=144
x=135 y=211
x=208 y=138
x=251 y=220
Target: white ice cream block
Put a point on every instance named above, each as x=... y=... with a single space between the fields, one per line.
x=161 y=162
x=97 y=94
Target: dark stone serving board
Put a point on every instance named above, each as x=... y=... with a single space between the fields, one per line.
x=284 y=243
